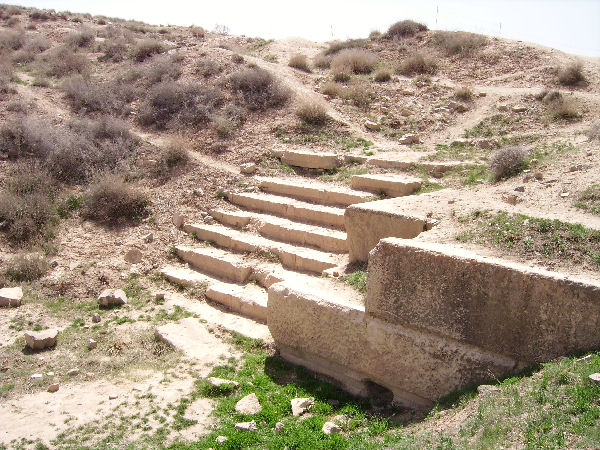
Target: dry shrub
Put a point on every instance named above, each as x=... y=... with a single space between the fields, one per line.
x=41 y=82
x=177 y=105
x=360 y=96
x=404 y=29
x=300 y=62
x=208 y=68
x=382 y=75
x=354 y=61
x=338 y=46
x=594 y=132
x=342 y=76
x=82 y=38
x=6 y=74
x=417 y=64
x=162 y=68
x=463 y=93
x=174 y=154
x=312 y=112
x=375 y=34
x=508 y=161
x=32 y=47
x=572 y=75
x=563 y=108
x=12 y=10
x=237 y=58
x=12 y=40
x=114 y=49
x=62 y=61
x=197 y=32
x=111 y=201
x=332 y=89
x=259 y=89
x=147 y=48
x=228 y=119
x=459 y=42
x=41 y=15
x=322 y=61
x=26 y=267
x=86 y=96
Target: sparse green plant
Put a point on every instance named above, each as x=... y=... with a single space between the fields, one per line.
x=312 y=112
x=508 y=161
x=300 y=62
x=589 y=199
x=417 y=64
x=571 y=75
x=357 y=279
x=404 y=29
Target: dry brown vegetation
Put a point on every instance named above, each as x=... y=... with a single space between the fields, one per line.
x=417 y=64
x=404 y=29
x=571 y=75
x=353 y=61
x=258 y=89
x=508 y=161
x=112 y=201
x=382 y=75
x=459 y=42
x=147 y=48
x=312 y=113
x=300 y=62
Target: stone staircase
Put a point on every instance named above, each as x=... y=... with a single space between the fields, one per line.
x=292 y=230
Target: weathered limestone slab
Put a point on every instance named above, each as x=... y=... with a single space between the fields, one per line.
x=112 y=297
x=216 y=261
x=528 y=315
x=249 y=300
x=39 y=340
x=11 y=296
x=309 y=160
x=367 y=223
x=391 y=185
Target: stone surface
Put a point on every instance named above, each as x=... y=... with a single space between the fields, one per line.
x=595 y=377
x=309 y=160
x=519 y=108
x=133 y=256
x=112 y=297
x=148 y=238
x=248 y=405
x=248 y=168
x=330 y=428
x=409 y=138
x=279 y=426
x=247 y=426
x=73 y=372
x=11 y=296
x=214 y=381
x=54 y=387
x=178 y=220
x=391 y=185
x=373 y=126
x=220 y=439
x=96 y=318
x=301 y=405
x=92 y=344
x=38 y=340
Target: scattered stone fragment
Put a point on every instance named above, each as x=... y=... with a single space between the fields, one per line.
x=92 y=344
x=485 y=389
x=89 y=375
x=247 y=426
x=301 y=405
x=53 y=387
x=112 y=396
x=38 y=340
x=73 y=372
x=159 y=296
x=50 y=374
x=148 y=238
x=487 y=143
x=4 y=369
x=502 y=107
x=96 y=318
x=373 y=126
x=409 y=138
x=278 y=426
x=112 y=297
x=209 y=219
x=221 y=439
x=340 y=419
x=512 y=199
x=54 y=263
x=178 y=220
x=248 y=168
x=595 y=377
x=538 y=176
x=333 y=402
x=565 y=194
x=519 y=108
x=330 y=428
x=482 y=94
x=248 y=405
x=133 y=256
x=36 y=376
x=520 y=189
x=11 y=296
x=214 y=381
x=585 y=358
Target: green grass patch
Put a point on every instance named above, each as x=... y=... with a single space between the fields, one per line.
x=496 y=125
x=343 y=174
x=589 y=200
x=357 y=279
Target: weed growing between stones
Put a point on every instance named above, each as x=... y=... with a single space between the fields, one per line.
x=589 y=199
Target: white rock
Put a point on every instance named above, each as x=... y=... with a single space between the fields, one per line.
x=519 y=108
x=248 y=405
x=38 y=340
x=373 y=126
x=301 y=405
x=178 y=220
x=330 y=428
x=36 y=376
x=221 y=381
x=502 y=107
x=209 y=219
x=248 y=168
x=148 y=238
x=278 y=426
x=595 y=377
x=112 y=297
x=585 y=358
x=73 y=372
x=112 y=396
x=248 y=426
x=133 y=256
x=96 y=318
x=485 y=389
x=221 y=439
x=53 y=387
x=11 y=296
x=92 y=344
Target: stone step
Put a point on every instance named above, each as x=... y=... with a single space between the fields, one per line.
x=249 y=300
x=392 y=185
x=286 y=230
x=185 y=276
x=290 y=208
x=308 y=160
x=405 y=160
x=216 y=261
x=314 y=192
x=296 y=258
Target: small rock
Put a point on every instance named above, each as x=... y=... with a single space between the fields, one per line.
x=373 y=126
x=11 y=296
x=485 y=389
x=96 y=318
x=73 y=372
x=538 y=176
x=482 y=94
x=178 y=220
x=112 y=396
x=512 y=199
x=4 y=369
x=159 y=296
x=409 y=138
x=36 y=376
x=50 y=374
x=89 y=375
x=585 y=358
x=112 y=297
x=589 y=154
x=148 y=238
x=248 y=168
x=38 y=340
x=336 y=274
x=278 y=426
x=405 y=112
x=520 y=189
x=301 y=405
x=487 y=143
x=340 y=419
x=221 y=439
x=330 y=428
x=133 y=256
x=502 y=107
x=209 y=219
x=53 y=387
x=565 y=194
x=595 y=377
x=54 y=263
x=247 y=426
x=214 y=381
x=519 y=108
x=248 y=405
x=534 y=161
x=92 y=344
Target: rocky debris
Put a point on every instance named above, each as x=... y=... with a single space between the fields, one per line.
x=595 y=377
x=112 y=297
x=278 y=426
x=148 y=238
x=340 y=419
x=247 y=426
x=330 y=428
x=4 y=369
x=133 y=256
x=53 y=387
x=38 y=340
x=405 y=112
x=373 y=126
x=36 y=376
x=73 y=372
x=248 y=168
x=519 y=108
x=302 y=405
x=92 y=344
x=221 y=439
x=96 y=318
x=112 y=396
x=486 y=389
x=178 y=220
x=565 y=194
x=209 y=220
x=11 y=296
x=248 y=405
x=159 y=296
x=409 y=138
x=214 y=381
x=520 y=189
x=502 y=107
x=482 y=94
x=512 y=199
x=458 y=107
